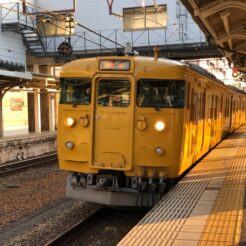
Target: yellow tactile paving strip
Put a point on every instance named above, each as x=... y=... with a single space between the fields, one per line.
x=223 y=226
x=206 y=207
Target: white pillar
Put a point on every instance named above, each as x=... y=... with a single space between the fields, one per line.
x=52 y=112
x=37 y=110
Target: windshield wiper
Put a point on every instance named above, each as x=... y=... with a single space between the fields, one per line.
x=156 y=108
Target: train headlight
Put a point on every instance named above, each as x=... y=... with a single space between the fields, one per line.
x=159 y=151
x=69 y=122
x=160 y=126
x=69 y=145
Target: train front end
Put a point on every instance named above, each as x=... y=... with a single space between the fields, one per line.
x=120 y=128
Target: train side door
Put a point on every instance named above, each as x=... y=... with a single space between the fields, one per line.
x=113 y=124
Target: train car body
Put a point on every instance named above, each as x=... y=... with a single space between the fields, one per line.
x=129 y=126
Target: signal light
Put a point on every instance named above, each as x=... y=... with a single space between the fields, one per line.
x=234 y=72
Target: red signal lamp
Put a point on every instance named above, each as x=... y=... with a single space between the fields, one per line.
x=234 y=72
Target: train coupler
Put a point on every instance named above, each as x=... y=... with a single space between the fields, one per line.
x=109 y=182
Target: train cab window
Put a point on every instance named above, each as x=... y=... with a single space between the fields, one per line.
x=75 y=91
x=160 y=93
x=113 y=93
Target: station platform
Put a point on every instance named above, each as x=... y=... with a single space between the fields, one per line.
x=205 y=207
x=21 y=147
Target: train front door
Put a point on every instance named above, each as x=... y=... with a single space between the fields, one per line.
x=113 y=124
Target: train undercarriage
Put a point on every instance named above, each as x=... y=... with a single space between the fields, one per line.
x=115 y=189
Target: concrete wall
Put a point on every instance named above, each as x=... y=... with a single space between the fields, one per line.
x=14 y=149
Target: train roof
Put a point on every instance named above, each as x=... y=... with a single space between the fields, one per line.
x=233 y=88
x=141 y=59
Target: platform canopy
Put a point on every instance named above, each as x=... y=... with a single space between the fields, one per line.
x=224 y=24
x=13 y=78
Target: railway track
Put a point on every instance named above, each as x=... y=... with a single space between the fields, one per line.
x=73 y=230
x=17 y=166
x=106 y=226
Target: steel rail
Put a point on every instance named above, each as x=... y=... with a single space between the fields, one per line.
x=16 y=166
x=68 y=234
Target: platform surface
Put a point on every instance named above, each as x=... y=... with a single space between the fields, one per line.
x=205 y=207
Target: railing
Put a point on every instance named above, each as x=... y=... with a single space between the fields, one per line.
x=14 y=18
x=11 y=13
x=86 y=41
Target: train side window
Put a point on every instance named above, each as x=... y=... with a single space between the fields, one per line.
x=216 y=107
x=188 y=95
x=196 y=107
x=221 y=103
x=201 y=106
x=204 y=104
x=211 y=107
x=192 y=105
x=113 y=93
x=156 y=93
x=226 y=107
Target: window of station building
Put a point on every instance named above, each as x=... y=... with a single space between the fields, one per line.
x=56 y=25
x=29 y=68
x=43 y=69
x=148 y=17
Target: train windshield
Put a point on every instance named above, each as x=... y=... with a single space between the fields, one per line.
x=75 y=91
x=113 y=93
x=160 y=93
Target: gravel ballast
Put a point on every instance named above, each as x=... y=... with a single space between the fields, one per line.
x=23 y=193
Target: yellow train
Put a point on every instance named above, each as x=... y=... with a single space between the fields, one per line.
x=129 y=126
